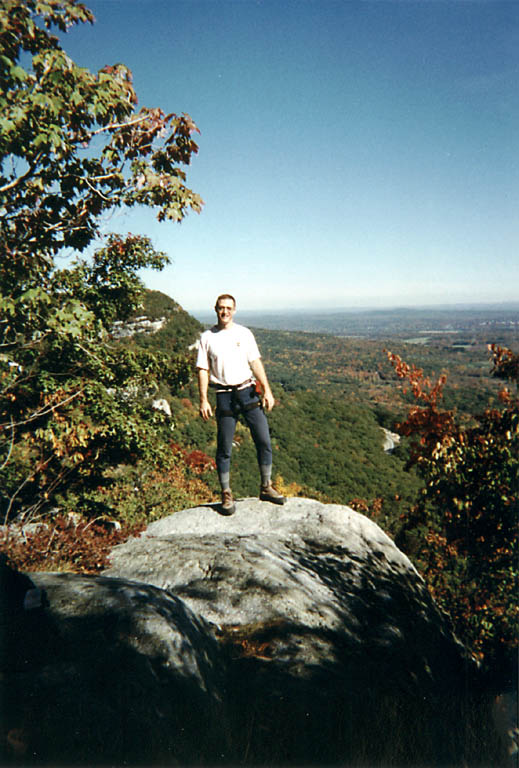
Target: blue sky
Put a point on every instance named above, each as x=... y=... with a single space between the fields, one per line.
x=352 y=154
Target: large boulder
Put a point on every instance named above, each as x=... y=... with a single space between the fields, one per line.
x=327 y=575
x=337 y=651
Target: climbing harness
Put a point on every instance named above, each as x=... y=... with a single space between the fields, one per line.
x=237 y=405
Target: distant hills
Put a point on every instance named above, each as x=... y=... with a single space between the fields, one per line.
x=496 y=306
x=499 y=321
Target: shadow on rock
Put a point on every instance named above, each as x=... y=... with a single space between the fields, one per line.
x=341 y=711
x=337 y=653
x=107 y=672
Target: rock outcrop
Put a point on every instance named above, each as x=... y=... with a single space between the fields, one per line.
x=121 y=330
x=326 y=581
x=281 y=635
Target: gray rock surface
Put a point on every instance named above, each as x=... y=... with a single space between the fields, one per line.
x=327 y=577
x=294 y=635
x=336 y=648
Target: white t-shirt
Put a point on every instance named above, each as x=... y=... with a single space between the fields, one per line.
x=227 y=354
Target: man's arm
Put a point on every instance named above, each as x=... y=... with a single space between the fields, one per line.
x=267 y=399
x=203 y=384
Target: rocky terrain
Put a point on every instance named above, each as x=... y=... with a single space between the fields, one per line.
x=280 y=635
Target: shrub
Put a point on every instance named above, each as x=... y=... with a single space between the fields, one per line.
x=63 y=545
x=463 y=530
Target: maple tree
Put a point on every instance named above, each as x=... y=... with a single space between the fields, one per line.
x=73 y=146
x=463 y=530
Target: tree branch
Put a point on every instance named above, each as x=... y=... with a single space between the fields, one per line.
x=44 y=412
x=116 y=126
x=11 y=444
x=29 y=172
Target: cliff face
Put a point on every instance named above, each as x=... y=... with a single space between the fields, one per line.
x=281 y=635
x=162 y=325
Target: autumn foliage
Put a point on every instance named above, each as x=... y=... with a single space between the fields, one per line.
x=198 y=461
x=64 y=544
x=463 y=530
x=125 y=502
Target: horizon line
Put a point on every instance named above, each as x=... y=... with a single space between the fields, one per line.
x=460 y=306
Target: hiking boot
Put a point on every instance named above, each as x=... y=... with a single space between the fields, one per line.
x=227 y=507
x=269 y=493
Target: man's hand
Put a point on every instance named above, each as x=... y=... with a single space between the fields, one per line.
x=205 y=410
x=267 y=401
x=267 y=398
x=203 y=384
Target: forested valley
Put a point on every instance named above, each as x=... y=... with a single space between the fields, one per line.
x=335 y=397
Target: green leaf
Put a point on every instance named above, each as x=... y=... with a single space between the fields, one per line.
x=41 y=138
x=18 y=73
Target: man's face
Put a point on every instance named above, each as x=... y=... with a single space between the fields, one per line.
x=225 y=312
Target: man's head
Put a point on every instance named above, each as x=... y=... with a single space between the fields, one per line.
x=225 y=308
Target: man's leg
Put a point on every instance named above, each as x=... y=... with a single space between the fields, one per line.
x=259 y=428
x=226 y=426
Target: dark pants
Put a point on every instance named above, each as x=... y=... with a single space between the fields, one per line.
x=229 y=405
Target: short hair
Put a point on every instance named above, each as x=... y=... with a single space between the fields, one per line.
x=225 y=296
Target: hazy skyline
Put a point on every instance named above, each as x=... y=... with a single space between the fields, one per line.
x=351 y=153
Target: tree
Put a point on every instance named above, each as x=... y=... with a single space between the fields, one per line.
x=463 y=530
x=74 y=146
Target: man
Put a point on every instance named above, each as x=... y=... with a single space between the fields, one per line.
x=229 y=361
